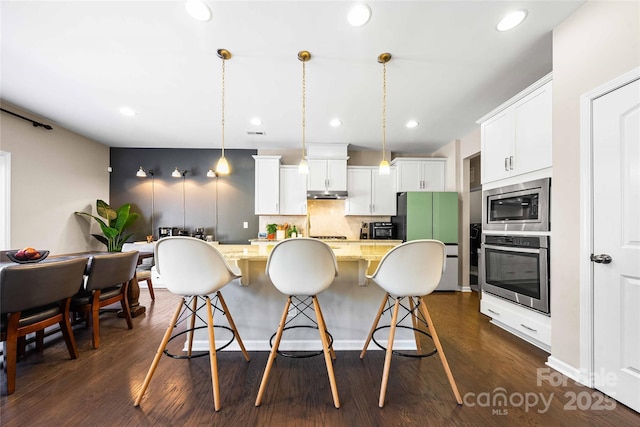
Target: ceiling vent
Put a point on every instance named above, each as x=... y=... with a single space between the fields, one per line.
x=255 y=132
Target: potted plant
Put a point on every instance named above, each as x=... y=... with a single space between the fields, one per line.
x=271 y=231
x=115 y=222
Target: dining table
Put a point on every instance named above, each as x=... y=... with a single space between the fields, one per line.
x=134 y=290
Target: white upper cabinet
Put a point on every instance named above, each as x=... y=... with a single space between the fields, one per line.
x=267 y=185
x=327 y=174
x=383 y=192
x=516 y=137
x=418 y=174
x=293 y=191
x=369 y=192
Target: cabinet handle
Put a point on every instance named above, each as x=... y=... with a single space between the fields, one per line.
x=506 y=164
x=494 y=312
x=511 y=162
x=372 y=208
x=527 y=327
x=277 y=207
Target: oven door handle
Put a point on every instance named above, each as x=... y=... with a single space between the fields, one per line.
x=513 y=249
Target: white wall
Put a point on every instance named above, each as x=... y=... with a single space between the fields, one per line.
x=599 y=42
x=53 y=173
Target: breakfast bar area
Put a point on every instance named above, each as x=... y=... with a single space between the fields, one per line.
x=349 y=305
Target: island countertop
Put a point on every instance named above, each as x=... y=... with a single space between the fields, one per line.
x=350 y=252
x=366 y=257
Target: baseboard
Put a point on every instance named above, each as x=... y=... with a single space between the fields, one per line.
x=565 y=369
x=305 y=345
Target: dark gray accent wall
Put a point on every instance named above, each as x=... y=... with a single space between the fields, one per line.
x=220 y=205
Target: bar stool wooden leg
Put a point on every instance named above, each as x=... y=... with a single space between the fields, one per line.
x=192 y=323
x=387 y=359
x=273 y=354
x=333 y=353
x=156 y=359
x=227 y=313
x=212 y=357
x=443 y=359
x=416 y=325
x=375 y=325
x=327 y=354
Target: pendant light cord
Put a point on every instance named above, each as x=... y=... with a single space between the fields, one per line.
x=384 y=110
x=304 y=105
x=223 y=61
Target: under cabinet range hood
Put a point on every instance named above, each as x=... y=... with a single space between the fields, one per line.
x=326 y=195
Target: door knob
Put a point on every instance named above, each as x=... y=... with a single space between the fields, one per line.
x=601 y=259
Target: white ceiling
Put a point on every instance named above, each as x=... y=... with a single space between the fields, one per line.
x=77 y=62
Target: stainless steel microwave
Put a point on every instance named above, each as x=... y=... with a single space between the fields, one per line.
x=381 y=230
x=518 y=207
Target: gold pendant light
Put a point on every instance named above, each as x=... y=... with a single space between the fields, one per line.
x=303 y=56
x=384 y=168
x=222 y=167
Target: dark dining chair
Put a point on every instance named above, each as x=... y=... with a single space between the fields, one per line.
x=34 y=297
x=108 y=278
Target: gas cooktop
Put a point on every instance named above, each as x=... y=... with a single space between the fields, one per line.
x=330 y=237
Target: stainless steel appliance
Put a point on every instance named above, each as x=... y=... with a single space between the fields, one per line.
x=516 y=268
x=167 y=232
x=381 y=230
x=519 y=207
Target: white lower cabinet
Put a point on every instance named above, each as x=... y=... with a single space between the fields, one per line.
x=527 y=324
x=369 y=192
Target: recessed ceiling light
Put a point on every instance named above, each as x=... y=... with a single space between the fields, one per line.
x=128 y=111
x=359 y=15
x=511 y=20
x=198 y=10
x=256 y=121
x=412 y=123
x=335 y=123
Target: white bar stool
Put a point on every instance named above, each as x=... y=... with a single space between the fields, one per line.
x=412 y=270
x=302 y=267
x=193 y=269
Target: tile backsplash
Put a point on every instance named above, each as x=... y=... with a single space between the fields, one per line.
x=325 y=218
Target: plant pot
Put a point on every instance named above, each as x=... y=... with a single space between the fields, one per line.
x=271 y=236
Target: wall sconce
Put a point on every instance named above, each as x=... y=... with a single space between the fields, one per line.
x=211 y=173
x=177 y=173
x=142 y=174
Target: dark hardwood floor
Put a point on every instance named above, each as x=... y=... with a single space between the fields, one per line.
x=99 y=388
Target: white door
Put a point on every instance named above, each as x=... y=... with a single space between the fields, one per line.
x=616 y=234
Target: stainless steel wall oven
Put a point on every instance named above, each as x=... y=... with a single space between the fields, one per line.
x=516 y=268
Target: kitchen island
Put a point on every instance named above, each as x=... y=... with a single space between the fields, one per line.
x=349 y=305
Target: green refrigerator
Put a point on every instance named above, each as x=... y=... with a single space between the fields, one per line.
x=431 y=215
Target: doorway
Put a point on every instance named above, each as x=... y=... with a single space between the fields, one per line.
x=5 y=200
x=610 y=249
x=475 y=221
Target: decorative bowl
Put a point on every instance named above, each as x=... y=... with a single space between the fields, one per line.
x=11 y=256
